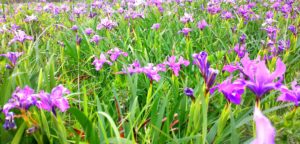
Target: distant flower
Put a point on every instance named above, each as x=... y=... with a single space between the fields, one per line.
x=12 y=56
x=74 y=28
x=207 y=73
x=269 y=14
x=213 y=8
x=185 y=31
x=115 y=53
x=133 y=68
x=175 y=66
x=265 y=132
x=242 y=38
x=96 y=39
x=187 y=18
x=9 y=121
x=286 y=8
x=30 y=18
x=202 y=24
x=21 y=99
x=240 y=50
x=78 y=40
x=151 y=72
x=283 y=45
x=106 y=23
x=292 y=95
x=20 y=36
x=97 y=4
x=92 y=14
x=54 y=100
x=232 y=91
x=155 y=26
x=98 y=63
x=293 y=29
x=271 y=31
x=189 y=92
x=88 y=31
x=227 y=15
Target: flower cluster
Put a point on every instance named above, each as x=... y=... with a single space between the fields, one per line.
x=23 y=99
x=114 y=55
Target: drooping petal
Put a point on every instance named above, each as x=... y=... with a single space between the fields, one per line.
x=265 y=132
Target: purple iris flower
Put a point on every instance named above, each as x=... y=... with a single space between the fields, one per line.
x=187 y=18
x=155 y=26
x=293 y=29
x=185 y=31
x=265 y=132
x=189 y=92
x=209 y=74
x=151 y=71
x=106 y=23
x=232 y=91
x=74 y=28
x=135 y=67
x=96 y=39
x=13 y=57
x=240 y=50
x=269 y=14
x=202 y=24
x=21 y=99
x=226 y=15
x=271 y=31
x=283 y=45
x=292 y=95
x=89 y=31
x=30 y=18
x=259 y=79
x=115 y=53
x=54 y=100
x=175 y=66
x=213 y=7
x=9 y=121
x=98 y=63
x=20 y=36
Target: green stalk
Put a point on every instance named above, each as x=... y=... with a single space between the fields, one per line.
x=205 y=101
x=149 y=95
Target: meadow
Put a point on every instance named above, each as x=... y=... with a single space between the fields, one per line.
x=152 y=71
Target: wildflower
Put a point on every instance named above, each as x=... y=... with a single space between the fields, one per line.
x=187 y=18
x=202 y=24
x=213 y=8
x=232 y=91
x=78 y=40
x=293 y=29
x=54 y=100
x=292 y=95
x=265 y=132
x=240 y=50
x=151 y=72
x=115 y=53
x=106 y=23
x=9 y=121
x=155 y=26
x=189 y=92
x=207 y=73
x=88 y=31
x=74 y=28
x=283 y=45
x=259 y=79
x=271 y=31
x=175 y=66
x=12 y=56
x=21 y=99
x=96 y=39
x=185 y=31
x=226 y=15
x=30 y=18
x=135 y=67
x=98 y=63
x=20 y=36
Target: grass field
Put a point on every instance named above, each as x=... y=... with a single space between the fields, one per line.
x=154 y=71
